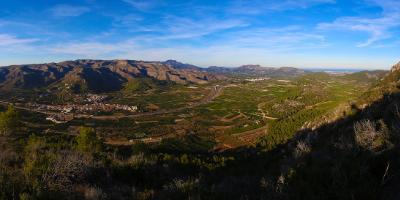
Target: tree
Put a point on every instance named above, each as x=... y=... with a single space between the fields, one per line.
x=87 y=141
x=8 y=120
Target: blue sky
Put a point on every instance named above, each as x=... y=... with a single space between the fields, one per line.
x=299 y=33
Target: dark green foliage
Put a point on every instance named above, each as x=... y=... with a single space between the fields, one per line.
x=140 y=85
x=191 y=143
x=282 y=130
x=87 y=141
x=8 y=120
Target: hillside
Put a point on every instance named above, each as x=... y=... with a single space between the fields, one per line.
x=178 y=65
x=356 y=156
x=97 y=75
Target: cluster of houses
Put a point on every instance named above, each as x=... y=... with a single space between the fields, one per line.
x=94 y=107
x=95 y=98
x=60 y=118
x=257 y=79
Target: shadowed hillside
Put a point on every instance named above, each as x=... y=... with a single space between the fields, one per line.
x=355 y=157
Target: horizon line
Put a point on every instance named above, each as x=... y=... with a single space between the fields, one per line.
x=202 y=66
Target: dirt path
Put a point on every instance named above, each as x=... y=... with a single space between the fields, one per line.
x=317 y=104
x=239 y=139
x=147 y=140
x=224 y=119
x=263 y=113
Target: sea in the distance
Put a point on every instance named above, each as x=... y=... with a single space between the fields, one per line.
x=334 y=71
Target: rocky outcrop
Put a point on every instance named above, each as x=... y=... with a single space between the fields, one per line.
x=396 y=67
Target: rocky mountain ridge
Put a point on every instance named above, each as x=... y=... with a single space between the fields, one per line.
x=97 y=75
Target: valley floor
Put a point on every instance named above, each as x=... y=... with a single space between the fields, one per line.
x=305 y=137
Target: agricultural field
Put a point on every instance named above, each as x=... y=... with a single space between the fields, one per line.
x=202 y=130
x=238 y=115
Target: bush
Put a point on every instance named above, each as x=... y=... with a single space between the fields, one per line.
x=140 y=147
x=367 y=135
x=87 y=141
x=302 y=149
x=36 y=158
x=8 y=121
x=67 y=169
x=183 y=189
x=94 y=193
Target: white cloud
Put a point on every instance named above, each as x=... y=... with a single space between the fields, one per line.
x=388 y=6
x=278 y=39
x=9 y=40
x=183 y=28
x=260 y=6
x=179 y=28
x=142 y=4
x=91 y=49
x=64 y=10
x=240 y=47
x=379 y=28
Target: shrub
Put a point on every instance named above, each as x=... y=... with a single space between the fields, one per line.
x=302 y=149
x=139 y=147
x=94 y=193
x=36 y=158
x=8 y=120
x=87 y=141
x=66 y=170
x=183 y=188
x=368 y=137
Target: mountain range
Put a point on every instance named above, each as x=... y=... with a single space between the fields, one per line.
x=256 y=70
x=113 y=75
x=99 y=75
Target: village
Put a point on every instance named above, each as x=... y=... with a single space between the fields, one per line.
x=66 y=112
x=257 y=79
x=84 y=108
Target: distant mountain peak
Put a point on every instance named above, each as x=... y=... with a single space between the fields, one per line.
x=171 y=61
x=179 y=65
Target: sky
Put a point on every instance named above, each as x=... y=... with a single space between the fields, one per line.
x=298 y=33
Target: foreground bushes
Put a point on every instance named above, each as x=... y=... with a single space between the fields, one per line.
x=352 y=158
x=8 y=121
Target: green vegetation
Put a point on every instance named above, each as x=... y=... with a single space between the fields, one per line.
x=8 y=121
x=132 y=86
x=256 y=140
x=87 y=141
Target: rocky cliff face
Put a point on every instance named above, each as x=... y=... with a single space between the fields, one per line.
x=96 y=75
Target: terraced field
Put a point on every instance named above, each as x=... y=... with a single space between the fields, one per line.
x=232 y=113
